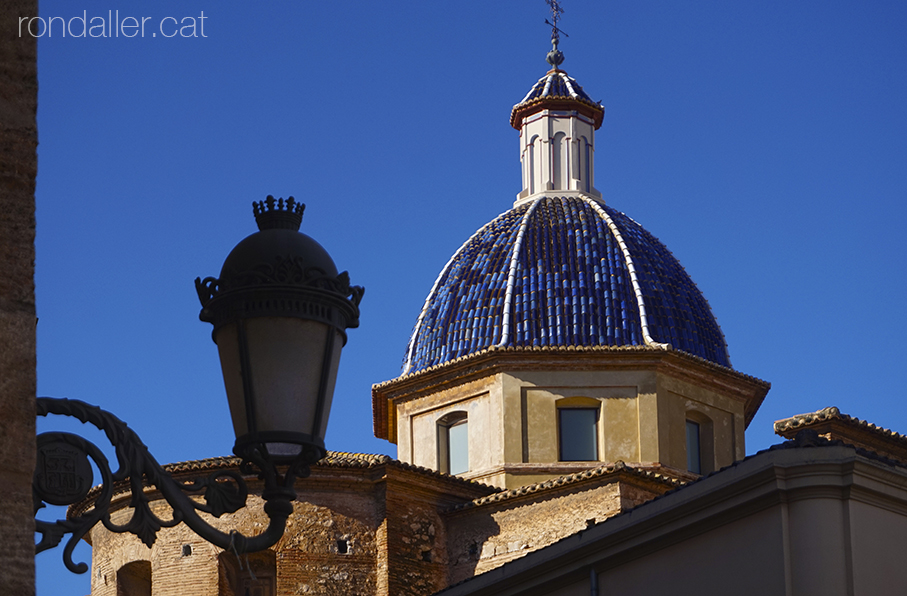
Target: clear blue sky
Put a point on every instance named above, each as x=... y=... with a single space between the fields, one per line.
x=765 y=143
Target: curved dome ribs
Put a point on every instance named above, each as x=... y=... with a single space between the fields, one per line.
x=512 y=275
x=570 y=293
x=462 y=313
x=678 y=312
x=565 y=271
x=631 y=269
x=557 y=83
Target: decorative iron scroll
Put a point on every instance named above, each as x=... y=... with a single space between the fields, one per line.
x=63 y=476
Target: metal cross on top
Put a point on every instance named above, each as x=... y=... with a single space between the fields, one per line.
x=556 y=12
x=555 y=56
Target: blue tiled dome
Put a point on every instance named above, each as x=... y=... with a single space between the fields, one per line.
x=557 y=84
x=566 y=271
x=557 y=90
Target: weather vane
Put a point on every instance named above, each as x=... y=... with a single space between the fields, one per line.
x=555 y=56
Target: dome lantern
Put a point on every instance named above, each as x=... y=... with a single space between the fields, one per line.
x=557 y=121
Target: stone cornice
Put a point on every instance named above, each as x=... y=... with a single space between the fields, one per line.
x=616 y=471
x=513 y=359
x=833 y=425
x=356 y=463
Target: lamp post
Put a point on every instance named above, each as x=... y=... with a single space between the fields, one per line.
x=280 y=311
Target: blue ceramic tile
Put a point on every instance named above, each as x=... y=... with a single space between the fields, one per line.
x=571 y=287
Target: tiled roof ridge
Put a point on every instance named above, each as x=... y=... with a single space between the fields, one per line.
x=568 y=479
x=564 y=349
x=407 y=363
x=833 y=413
x=334 y=459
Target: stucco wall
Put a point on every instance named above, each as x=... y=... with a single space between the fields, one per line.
x=514 y=433
x=810 y=519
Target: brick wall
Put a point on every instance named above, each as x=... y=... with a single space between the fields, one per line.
x=18 y=168
x=386 y=529
x=486 y=536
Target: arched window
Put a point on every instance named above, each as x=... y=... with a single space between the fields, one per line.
x=577 y=428
x=134 y=579
x=453 y=443
x=694 y=451
x=699 y=443
x=587 y=165
x=532 y=167
x=558 y=161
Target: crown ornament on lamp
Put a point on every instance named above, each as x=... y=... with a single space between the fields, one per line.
x=276 y=213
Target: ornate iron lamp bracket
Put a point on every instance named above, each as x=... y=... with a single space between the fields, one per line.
x=63 y=476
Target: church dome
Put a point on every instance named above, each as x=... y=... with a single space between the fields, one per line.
x=561 y=268
x=562 y=271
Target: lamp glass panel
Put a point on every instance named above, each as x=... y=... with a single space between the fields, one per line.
x=228 y=349
x=286 y=356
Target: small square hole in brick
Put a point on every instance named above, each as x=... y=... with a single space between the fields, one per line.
x=187 y=550
x=343 y=547
x=426 y=556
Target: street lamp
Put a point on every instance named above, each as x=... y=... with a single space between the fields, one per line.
x=280 y=311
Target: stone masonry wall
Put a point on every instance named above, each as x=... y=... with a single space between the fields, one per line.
x=18 y=168
x=330 y=546
x=415 y=545
x=486 y=536
x=376 y=530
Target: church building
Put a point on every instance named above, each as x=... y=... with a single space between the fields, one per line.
x=567 y=421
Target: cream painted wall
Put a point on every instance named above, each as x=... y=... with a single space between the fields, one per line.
x=513 y=420
x=482 y=415
x=710 y=562
x=721 y=420
x=553 y=153
x=815 y=520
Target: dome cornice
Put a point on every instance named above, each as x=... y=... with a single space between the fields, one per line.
x=493 y=360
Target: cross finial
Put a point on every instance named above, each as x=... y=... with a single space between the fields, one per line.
x=555 y=56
